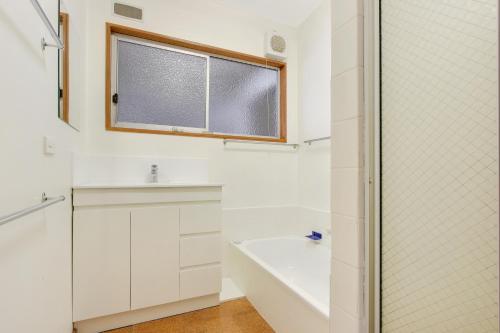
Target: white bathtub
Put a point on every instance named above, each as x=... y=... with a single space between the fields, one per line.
x=287 y=279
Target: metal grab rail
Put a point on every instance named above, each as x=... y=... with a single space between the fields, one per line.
x=59 y=44
x=46 y=202
x=310 y=142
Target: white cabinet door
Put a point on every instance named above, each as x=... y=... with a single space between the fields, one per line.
x=154 y=256
x=101 y=262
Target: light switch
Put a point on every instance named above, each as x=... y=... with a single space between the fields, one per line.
x=49 y=146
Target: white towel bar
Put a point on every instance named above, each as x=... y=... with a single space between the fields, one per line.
x=46 y=202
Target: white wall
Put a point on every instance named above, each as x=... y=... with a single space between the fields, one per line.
x=259 y=182
x=314 y=116
x=35 y=251
x=261 y=187
x=315 y=51
x=253 y=178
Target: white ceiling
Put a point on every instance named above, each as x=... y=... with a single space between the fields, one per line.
x=289 y=12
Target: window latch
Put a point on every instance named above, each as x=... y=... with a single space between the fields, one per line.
x=115 y=99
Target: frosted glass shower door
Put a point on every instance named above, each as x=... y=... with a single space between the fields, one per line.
x=439 y=162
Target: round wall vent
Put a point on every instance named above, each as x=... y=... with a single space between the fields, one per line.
x=278 y=44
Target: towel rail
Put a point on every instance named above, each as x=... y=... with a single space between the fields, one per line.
x=59 y=44
x=310 y=142
x=283 y=144
x=46 y=202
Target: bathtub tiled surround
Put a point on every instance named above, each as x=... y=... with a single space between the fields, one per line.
x=241 y=224
x=347 y=166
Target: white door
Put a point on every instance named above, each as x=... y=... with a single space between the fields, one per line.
x=101 y=262
x=154 y=256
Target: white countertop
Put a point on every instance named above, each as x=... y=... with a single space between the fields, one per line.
x=145 y=185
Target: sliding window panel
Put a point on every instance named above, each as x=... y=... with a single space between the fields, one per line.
x=244 y=99
x=160 y=86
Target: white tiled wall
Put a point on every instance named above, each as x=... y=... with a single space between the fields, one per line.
x=347 y=166
x=348 y=49
x=110 y=169
x=347 y=234
x=346 y=103
x=345 y=10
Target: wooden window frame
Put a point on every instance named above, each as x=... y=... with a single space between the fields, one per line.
x=150 y=36
x=64 y=22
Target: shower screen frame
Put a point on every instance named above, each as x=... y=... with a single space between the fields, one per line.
x=373 y=145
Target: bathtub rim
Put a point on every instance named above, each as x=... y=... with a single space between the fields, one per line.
x=300 y=292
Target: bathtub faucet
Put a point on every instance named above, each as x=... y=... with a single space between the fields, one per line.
x=315 y=236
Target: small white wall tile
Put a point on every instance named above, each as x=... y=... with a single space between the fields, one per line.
x=348 y=192
x=344 y=323
x=346 y=284
x=347 y=240
x=348 y=46
x=347 y=143
x=347 y=94
x=345 y=10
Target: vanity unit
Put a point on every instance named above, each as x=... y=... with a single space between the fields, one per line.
x=144 y=252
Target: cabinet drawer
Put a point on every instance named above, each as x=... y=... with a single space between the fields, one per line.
x=200 y=250
x=196 y=282
x=200 y=219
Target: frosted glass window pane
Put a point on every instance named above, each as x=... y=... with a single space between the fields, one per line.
x=244 y=99
x=161 y=87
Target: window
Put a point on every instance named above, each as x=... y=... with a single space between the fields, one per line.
x=157 y=84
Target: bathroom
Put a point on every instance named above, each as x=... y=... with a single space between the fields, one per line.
x=232 y=166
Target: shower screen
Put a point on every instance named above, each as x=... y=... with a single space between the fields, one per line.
x=439 y=162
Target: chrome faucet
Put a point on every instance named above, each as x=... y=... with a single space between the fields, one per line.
x=154 y=173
